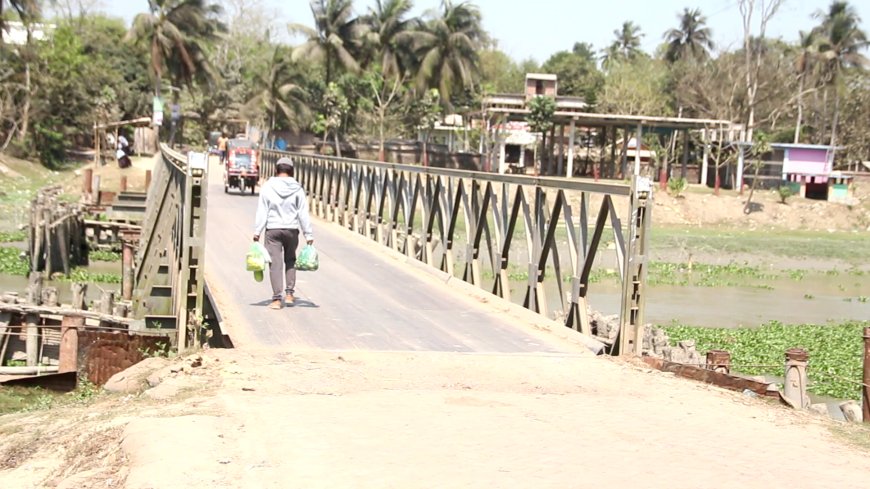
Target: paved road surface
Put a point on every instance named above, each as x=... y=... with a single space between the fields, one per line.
x=359 y=299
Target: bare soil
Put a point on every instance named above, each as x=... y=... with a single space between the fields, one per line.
x=698 y=206
x=355 y=419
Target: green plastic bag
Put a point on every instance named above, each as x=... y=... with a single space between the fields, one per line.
x=308 y=260
x=257 y=260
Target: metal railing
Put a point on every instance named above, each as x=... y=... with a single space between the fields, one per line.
x=169 y=275
x=525 y=239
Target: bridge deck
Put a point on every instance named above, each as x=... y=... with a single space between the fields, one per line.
x=359 y=299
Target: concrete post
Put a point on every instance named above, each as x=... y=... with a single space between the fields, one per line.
x=501 y=157
x=31 y=344
x=705 y=160
x=795 y=388
x=569 y=172
x=127 y=271
x=637 y=147
x=69 y=343
x=741 y=157
x=147 y=179
x=124 y=183
x=88 y=182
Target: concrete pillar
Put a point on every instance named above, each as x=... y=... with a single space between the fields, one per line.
x=69 y=343
x=685 y=162
x=124 y=183
x=127 y=271
x=624 y=153
x=706 y=158
x=561 y=162
x=31 y=345
x=569 y=172
x=147 y=179
x=637 y=147
x=795 y=385
x=88 y=181
x=502 y=164
x=741 y=158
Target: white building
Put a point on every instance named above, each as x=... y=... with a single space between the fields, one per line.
x=15 y=32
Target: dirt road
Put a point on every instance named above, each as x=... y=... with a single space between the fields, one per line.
x=278 y=419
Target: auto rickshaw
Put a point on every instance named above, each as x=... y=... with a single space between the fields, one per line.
x=242 y=169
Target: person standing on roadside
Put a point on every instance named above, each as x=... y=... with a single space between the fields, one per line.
x=222 y=148
x=282 y=212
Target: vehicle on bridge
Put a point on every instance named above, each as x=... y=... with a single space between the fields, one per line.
x=242 y=170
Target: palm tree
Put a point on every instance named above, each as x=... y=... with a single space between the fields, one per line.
x=333 y=40
x=692 y=39
x=280 y=93
x=841 y=41
x=804 y=61
x=392 y=34
x=626 y=46
x=447 y=48
x=176 y=31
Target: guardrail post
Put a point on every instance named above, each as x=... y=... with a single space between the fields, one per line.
x=795 y=385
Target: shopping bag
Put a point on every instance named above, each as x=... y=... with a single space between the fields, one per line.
x=257 y=260
x=308 y=260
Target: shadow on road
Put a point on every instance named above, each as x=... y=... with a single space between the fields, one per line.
x=299 y=303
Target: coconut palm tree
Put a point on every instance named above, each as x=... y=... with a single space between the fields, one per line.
x=804 y=62
x=692 y=39
x=447 y=48
x=334 y=39
x=626 y=46
x=840 y=43
x=280 y=93
x=176 y=31
x=392 y=34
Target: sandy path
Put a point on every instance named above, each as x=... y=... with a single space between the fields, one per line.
x=478 y=420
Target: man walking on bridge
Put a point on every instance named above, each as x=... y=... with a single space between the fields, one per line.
x=282 y=213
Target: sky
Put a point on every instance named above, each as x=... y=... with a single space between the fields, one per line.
x=549 y=26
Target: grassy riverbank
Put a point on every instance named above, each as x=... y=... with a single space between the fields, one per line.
x=835 y=350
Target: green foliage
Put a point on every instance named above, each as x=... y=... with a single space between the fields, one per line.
x=11 y=263
x=87 y=276
x=636 y=87
x=578 y=73
x=835 y=351
x=541 y=110
x=13 y=236
x=784 y=192
x=676 y=186
x=425 y=112
x=52 y=145
x=104 y=256
x=499 y=73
